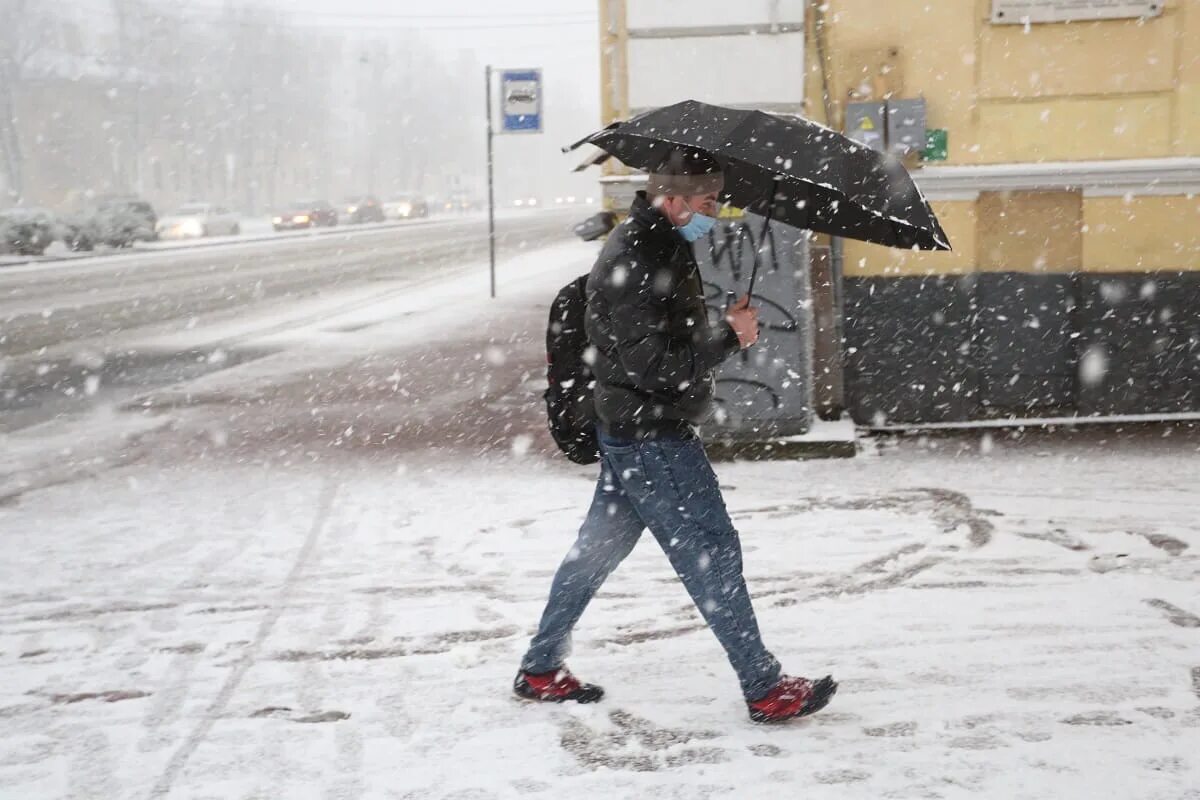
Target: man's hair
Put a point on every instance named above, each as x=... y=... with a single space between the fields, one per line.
x=685 y=172
x=686 y=161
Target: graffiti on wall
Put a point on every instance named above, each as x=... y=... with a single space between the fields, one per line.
x=766 y=387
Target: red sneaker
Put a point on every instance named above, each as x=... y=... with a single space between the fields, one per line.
x=555 y=687
x=793 y=697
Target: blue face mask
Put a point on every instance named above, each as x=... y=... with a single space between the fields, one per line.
x=697 y=226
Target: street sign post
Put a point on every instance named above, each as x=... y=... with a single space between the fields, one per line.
x=521 y=112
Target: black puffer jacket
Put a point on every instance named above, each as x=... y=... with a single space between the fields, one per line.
x=655 y=350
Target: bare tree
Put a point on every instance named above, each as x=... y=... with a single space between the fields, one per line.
x=20 y=40
x=234 y=103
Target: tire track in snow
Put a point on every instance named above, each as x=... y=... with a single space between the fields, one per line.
x=179 y=760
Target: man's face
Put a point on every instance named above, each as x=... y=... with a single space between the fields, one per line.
x=679 y=208
x=703 y=203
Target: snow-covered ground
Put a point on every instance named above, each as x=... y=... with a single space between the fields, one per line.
x=312 y=576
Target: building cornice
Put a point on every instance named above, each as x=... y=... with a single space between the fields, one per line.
x=1117 y=178
x=1140 y=176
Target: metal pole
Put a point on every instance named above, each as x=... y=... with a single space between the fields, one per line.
x=491 y=194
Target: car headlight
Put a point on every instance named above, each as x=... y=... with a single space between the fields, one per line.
x=277 y=220
x=191 y=227
x=300 y=218
x=351 y=209
x=404 y=208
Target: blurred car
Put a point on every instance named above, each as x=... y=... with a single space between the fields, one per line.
x=26 y=231
x=596 y=226
x=305 y=214
x=459 y=202
x=357 y=210
x=198 y=219
x=80 y=231
x=117 y=221
x=405 y=206
x=526 y=202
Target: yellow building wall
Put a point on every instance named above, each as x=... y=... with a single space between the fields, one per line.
x=1088 y=58
x=936 y=55
x=1112 y=89
x=1071 y=129
x=1077 y=91
x=1082 y=91
x=958 y=218
x=1037 y=232
x=1116 y=234
x=1187 y=106
x=1126 y=234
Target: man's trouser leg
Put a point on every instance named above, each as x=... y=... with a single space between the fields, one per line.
x=672 y=485
x=608 y=534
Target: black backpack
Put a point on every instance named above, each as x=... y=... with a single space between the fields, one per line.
x=569 y=402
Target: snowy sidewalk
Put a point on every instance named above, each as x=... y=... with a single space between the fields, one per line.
x=317 y=582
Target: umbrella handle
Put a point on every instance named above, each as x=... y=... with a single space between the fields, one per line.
x=763 y=237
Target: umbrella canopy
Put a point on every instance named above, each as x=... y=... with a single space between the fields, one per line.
x=819 y=179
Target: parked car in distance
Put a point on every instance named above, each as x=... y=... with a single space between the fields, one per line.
x=357 y=210
x=26 y=231
x=305 y=214
x=405 y=206
x=195 y=220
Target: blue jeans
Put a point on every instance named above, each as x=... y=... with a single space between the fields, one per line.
x=668 y=486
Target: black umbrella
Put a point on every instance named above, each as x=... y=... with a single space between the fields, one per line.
x=786 y=168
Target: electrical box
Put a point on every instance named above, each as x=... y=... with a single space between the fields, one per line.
x=865 y=124
x=906 y=126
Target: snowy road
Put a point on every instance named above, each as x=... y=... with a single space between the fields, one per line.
x=70 y=329
x=315 y=577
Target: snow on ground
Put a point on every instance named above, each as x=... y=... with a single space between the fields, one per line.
x=323 y=331
x=317 y=582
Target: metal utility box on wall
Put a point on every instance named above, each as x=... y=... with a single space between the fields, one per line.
x=906 y=126
x=865 y=124
x=897 y=126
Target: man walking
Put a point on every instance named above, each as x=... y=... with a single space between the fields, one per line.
x=654 y=357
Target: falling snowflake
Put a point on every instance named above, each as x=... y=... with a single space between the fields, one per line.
x=1093 y=366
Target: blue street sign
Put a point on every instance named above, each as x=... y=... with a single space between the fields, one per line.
x=521 y=100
